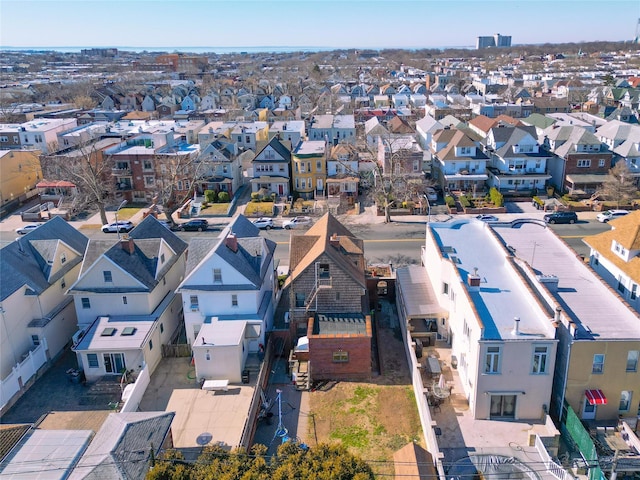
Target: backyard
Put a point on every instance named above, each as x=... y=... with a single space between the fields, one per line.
x=372 y=419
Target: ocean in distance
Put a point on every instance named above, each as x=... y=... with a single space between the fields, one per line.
x=216 y=50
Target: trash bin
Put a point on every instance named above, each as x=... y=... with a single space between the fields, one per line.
x=418 y=348
x=246 y=376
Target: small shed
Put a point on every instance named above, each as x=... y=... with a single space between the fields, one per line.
x=220 y=350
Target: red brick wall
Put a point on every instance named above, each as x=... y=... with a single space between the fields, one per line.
x=572 y=163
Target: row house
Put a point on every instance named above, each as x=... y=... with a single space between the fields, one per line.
x=37 y=269
x=228 y=296
x=10 y=136
x=126 y=302
x=623 y=140
x=272 y=168
x=247 y=134
x=458 y=163
x=425 y=128
x=309 y=168
x=20 y=172
x=333 y=128
x=504 y=345
x=343 y=174
x=517 y=162
x=41 y=134
x=581 y=161
x=292 y=131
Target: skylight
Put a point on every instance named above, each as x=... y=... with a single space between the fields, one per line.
x=108 y=332
x=128 y=331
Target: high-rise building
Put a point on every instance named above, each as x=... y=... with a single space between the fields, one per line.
x=496 y=40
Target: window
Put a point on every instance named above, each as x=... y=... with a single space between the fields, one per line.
x=634 y=291
x=323 y=270
x=35 y=339
x=318 y=166
x=150 y=344
x=63 y=258
x=492 y=360
x=148 y=180
x=620 y=284
x=300 y=298
x=234 y=300
x=598 y=363
x=445 y=288
x=148 y=165
x=625 y=400
x=124 y=300
x=114 y=362
x=63 y=283
x=632 y=360
x=92 y=360
x=108 y=278
x=340 y=357
x=217 y=275
x=194 y=302
x=162 y=258
x=86 y=303
x=601 y=162
x=162 y=328
x=540 y=355
x=584 y=163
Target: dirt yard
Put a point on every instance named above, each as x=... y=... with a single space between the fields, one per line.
x=372 y=419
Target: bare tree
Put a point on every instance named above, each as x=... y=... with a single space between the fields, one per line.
x=619 y=184
x=89 y=169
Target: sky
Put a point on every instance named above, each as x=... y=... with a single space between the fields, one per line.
x=310 y=23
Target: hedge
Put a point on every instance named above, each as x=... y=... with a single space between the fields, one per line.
x=496 y=197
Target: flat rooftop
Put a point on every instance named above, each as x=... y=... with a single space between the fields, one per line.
x=418 y=297
x=502 y=295
x=340 y=324
x=597 y=311
x=310 y=147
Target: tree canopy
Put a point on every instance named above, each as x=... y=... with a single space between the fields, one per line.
x=292 y=461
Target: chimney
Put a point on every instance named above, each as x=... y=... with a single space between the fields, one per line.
x=232 y=242
x=473 y=279
x=516 y=326
x=334 y=240
x=127 y=245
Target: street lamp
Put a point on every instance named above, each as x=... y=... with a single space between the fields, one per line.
x=122 y=204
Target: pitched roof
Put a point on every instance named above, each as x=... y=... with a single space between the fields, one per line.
x=305 y=249
x=280 y=148
x=459 y=139
x=626 y=232
x=121 y=448
x=26 y=261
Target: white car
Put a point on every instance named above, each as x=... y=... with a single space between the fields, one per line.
x=296 y=222
x=604 y=217
x=119 y=226
x=431 y=194
x=265 y=223
x=27 y=228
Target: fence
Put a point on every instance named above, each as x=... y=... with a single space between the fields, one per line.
x=572 y=427
x=22 y=373
x=176 y=350
x=137 y=391
x=252 y=416
x=552 y=467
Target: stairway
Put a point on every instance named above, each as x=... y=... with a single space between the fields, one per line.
x=302 y=376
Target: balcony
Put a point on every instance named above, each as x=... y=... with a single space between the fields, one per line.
x=121 y=172
x=123 y=186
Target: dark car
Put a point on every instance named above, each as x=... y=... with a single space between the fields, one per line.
x=561 y=217
x=195 y=225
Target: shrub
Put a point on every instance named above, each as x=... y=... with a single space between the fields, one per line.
x=464 y=201
x=223 y=197
x=266 y=198
x=255 y=197
x=451 y=203
x=496 y=197
x=211 y=196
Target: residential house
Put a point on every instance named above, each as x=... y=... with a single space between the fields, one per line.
x=374 y=130
x=425 y=128
x=292 y=131
x=228 y=295
x=36 y=271
x=504 y=348
x=343 y=173
x=581 y=161
x=309 y=164
x=148 y=104
x=125 y=300
x=517 y=162
x=596 y=371
x=20 y=172
x=482 y=124
x=10 y=136
x=623 y=140
x=247 y=134
x=210 y=132
x=546 y=105
x=615 y=256
x=327 y=298
x=43 y=133
x=222 y=170
x=333 y=128
x=458 y=163
x=272 y=168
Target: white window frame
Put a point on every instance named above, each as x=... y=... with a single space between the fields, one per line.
x=540 y=361
x=625 y=400
x=632 y=360
x=492 y=359
x=597 y=367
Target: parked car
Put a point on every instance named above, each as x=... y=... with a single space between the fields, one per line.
x=604 y=217
x=166 y=223
x=431 y=194
x=297 y=222
x=23 y=230
x=561 y=217
x=119 y=226
x=488 y=218
x=265 y=223
x=195 y=225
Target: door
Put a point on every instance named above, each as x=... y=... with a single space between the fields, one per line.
x=319 y=184
x=280 y=189
x=588 y=410
x=114 y=363
x=503 y=406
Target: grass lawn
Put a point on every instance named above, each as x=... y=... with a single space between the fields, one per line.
x=215 y=209
x=125 y=213
x=259 y=209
